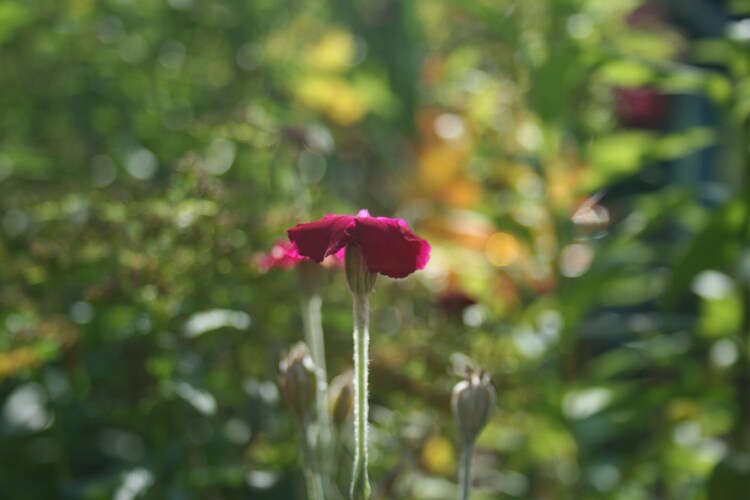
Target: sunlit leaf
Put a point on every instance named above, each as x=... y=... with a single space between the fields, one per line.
x=616 y=156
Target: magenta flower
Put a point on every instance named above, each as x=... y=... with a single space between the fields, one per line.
x=388 y=246
x=643 y=107
x=284 y=255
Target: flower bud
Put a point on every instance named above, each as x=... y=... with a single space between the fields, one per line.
x=298 y=380
x=342 y=397
x=360 y=280
x=473 y=401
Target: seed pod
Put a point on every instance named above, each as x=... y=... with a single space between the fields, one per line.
x=341 y=397
x=298 y=381
x=473 y=401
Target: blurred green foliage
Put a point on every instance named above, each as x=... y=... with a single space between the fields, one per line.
x=580 y=167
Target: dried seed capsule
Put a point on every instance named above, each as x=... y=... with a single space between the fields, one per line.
x=473 y=401
x=298 y=381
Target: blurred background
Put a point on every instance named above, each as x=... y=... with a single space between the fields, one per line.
x=581 y=169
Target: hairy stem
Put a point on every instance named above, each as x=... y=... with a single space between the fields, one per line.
x=313 y=325
x=465 y=474
x=313 y=477
x=360 y=488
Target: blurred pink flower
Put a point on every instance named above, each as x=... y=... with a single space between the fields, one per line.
x=648 y=15
x=284 y=255
x=388 y=246
x=642 y=107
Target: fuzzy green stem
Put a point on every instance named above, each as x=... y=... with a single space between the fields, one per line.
x=312 y=321
x=313 y=326
x=465 y=474
x=360 y=487
x=313 y=477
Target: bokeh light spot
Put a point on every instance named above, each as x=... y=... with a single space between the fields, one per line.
x=141 y=164
x=312 y=166
x=81 y=312
x=450 y=126
x=172 y=54
x=438 y=455
x=712 y=285
x=15 y=222
x=220 y=156
x=502 y=249
x=580 y=26
x=180 y=4
x=103 y=170
x=576 y=259
x=249 y=56
x=724 y=353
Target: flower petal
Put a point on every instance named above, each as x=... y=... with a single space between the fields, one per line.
x=322 y=238
x=388 y=246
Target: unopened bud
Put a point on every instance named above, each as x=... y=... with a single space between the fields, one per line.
x=472 y=402
x=342 y=397
x=298 y=381
x=360 y=280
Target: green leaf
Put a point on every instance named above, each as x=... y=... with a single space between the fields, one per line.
x=615 y=156
x=716 y=246
x=13 y=17
x=730 y=478
x=627 y=73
